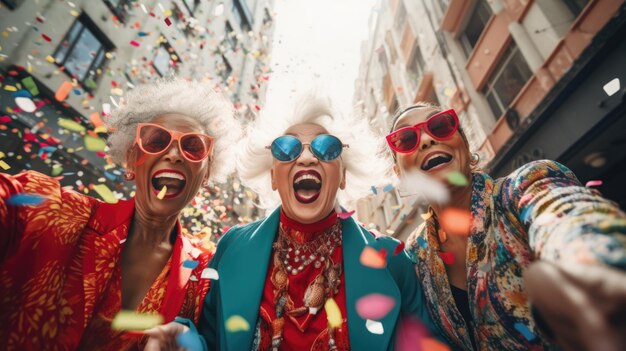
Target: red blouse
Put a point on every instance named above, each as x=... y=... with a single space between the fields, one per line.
x=308 y=331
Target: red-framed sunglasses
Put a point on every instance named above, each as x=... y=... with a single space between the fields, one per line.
x=440 y=126
x=153 y=139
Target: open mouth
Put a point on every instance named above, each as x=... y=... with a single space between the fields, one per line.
x=435 y=161
x=173 y=180
x=307 y=186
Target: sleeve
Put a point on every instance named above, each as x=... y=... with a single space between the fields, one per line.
x=564 y=220
x=11 y=220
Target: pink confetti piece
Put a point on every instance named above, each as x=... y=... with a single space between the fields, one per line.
x=345 y=215
x=447 y=257
x=374 y=306
x=593 y=183
x=134 y=43
x=399 y=248
x=372 y=258
x=410 y=334
x=167 y=21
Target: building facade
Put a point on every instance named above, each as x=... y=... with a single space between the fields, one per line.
x=529 y=80
x=64 y=65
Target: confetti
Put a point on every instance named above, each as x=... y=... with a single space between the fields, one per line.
x=26 y=104
x=96 y=120
x=523 y=328
x=71 y=125
x=372 y=258
x=74 y=13
x=5 y=166
x=410 y=332
x=189 y=341
x=374 y=327
x=457 y=178
x=105 y=193
x=161 y=193
x=237 y=323
x=63 y=91
x=130 y=320
x=190 y=264
x=210 y=273
x=456 y=221
x=374 y=306
x=25 y=200
x=374 y=191
x=447 y=257
x=333 y=313
x=345 y=215
x=430 y=344
x=50 y=59
x=423 y=186
x=94 y=144
x=134 y=43
x=167 y=21
x=29 y=84
x=388 y=188
x=46 y=38
x=399 y=248
x=593 y=183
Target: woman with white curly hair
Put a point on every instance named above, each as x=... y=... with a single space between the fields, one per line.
x=70 y=264
x=301 y=279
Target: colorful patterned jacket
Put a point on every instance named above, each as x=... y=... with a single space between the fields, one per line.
x=60 y=270
x=540 y=211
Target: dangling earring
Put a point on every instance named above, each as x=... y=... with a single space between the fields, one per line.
x=474 y=159
x=129 y=175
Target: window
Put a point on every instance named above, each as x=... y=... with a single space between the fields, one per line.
x=478 y=20
x=82 y=52
x=225 y=70
x=165 y=59
x=400 y=17
x=242 y=15
x=507 y=80
x=415 y=66
x=119 y=8
x=576 y=6
x=392 y=47
x=231 y=36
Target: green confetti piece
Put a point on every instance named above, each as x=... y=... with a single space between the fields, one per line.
x=71 y=125
x=130 y=320
x=56 y=170
x=457 y=178
x=90 y=83
x=94 y=144
x=29 y=83
x=105 y=193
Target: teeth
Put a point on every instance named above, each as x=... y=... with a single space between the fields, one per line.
x=170 y=175
x=307 y=176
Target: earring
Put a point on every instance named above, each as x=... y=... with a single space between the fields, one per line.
x=475 y=158
x=129 y=175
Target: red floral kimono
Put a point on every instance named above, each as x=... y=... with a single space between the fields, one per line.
x=60 y=270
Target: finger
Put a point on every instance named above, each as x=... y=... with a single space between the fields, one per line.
x=153 y=344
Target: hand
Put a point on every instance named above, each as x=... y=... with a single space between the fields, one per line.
x=163 y=337
x=582 y=305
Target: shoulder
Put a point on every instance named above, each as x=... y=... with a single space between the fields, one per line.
x=541 y=171
x=239 y=232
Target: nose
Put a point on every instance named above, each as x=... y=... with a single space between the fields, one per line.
x=307 y=157
x=173 y=153
x=426 y=140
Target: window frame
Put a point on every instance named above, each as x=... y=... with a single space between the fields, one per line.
x=416 y=52
x=464 y=42
x=231 y=35
x=227 y=68
x=242 y=15
x=120 y=10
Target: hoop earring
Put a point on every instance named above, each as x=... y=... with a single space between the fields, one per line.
x=129 y=175
x=474 y=159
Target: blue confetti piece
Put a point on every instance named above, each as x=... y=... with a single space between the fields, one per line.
x=189 y=340
x=190 y=264
x=422 y=242
x=522 y=328
x=374 y=190
x=76 y=91
x=110 y=175
x=142 y=34
x=25 y=200
x=388 y=188
x=22 y=93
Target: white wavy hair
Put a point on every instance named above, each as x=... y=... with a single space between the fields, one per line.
x=364 y=158
x=175 y=95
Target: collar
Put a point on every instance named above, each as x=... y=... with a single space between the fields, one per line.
x=306 y=232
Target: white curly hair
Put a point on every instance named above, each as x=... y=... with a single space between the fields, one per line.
x=364 y=159
x=175 y=95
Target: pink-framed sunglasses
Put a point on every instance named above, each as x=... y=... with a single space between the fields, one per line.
x=154 y=139
x=440 y=126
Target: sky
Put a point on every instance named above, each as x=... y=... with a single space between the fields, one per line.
x=317 y=44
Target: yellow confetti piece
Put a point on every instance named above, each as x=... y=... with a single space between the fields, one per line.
x=237 y=323
x=117 y=91
x=105 y=193
x=5 y=34
x=4 y=165
x=130 y=320
x=10 y=88
x=50 y=59
x=161 y=194
x=74 y=13
x=2 y=155
x=101 y=129
x=94 y=144
x=71 y=125
x=333 y=313
x=167 y=13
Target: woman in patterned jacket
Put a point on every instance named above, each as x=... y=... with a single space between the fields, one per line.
x=71 y=263
x=482 y=236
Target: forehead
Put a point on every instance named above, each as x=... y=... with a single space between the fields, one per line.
x=179 y=122
x=306 y=130
x=414 y=116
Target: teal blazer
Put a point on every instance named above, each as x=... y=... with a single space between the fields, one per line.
x=242 y=260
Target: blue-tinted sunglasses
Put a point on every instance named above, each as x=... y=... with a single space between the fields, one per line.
x=325 y=147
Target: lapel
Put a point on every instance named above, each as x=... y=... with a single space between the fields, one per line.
x=361 y=281
x=178 y=278
x=243 y=269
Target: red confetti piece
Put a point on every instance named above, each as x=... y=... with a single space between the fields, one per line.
x=257 y=107
x=447 y=257
x=410 y=334
x=225 y=229
x=40 y=19
x=593 y=183
x=134 y=43
x=5 y=119
x=46 y=38
x=399 y=248
x=167 y=21
x=345 y=215
x=374 y=306
x=456 y=221
x=431 y=344
x=372 y=258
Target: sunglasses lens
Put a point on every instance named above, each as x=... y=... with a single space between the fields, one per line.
x=403 y=140
x=442 y=126
x=154 y=139
x=286 y=148
x=195 y=147
x=326 y=147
